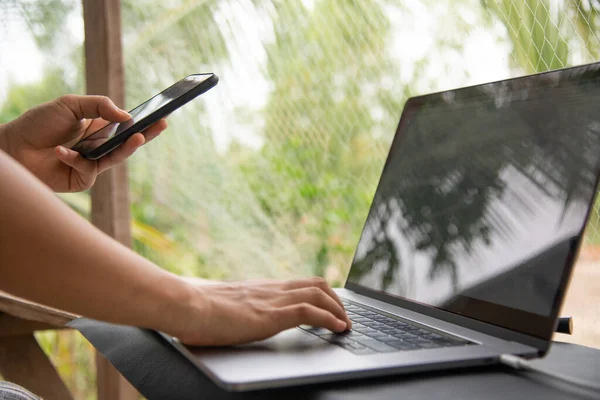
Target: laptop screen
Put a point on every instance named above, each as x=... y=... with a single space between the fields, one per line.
x=484 y=197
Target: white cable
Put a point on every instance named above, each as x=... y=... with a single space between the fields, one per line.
x=520 y=363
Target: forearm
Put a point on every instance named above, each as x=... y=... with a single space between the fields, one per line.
x=51 y=255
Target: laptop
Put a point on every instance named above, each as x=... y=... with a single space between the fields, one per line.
x=469 y=243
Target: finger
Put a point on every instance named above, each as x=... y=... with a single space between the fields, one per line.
x=93 y=107
x=317 y=282
x=95 y=125
x=155 y=129
x=121 y=153
x=85 y=168
x=316 y=297
x=307 y=314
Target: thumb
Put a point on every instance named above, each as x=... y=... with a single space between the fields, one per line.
x=94 y=107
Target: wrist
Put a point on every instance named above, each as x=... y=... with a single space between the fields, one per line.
x=181 y=304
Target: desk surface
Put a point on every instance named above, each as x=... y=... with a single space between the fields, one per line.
x=159 y=372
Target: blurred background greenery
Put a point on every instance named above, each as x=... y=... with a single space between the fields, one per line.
x=271 y=173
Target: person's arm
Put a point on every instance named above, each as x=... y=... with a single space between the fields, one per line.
x=51 y=255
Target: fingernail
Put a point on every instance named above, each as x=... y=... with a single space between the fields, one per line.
x=63 y=151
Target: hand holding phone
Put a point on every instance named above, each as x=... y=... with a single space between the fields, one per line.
x=111 y=136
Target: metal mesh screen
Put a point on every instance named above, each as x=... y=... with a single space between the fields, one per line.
x=289 y=147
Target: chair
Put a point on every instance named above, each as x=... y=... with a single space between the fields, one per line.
x=22 y=360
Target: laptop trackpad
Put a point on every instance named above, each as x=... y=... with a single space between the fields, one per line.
x=289 y=340
x=291 y=353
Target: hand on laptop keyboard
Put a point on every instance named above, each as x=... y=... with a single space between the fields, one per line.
x=240 y=312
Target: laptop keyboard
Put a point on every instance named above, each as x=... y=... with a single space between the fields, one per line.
x=376 y=332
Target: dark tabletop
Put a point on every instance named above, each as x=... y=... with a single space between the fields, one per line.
x=159 y=372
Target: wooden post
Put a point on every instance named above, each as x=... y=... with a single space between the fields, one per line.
x=110 y=195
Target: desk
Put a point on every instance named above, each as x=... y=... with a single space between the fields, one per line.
x=159 y=372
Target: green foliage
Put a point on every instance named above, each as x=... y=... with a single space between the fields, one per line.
x=21 y=98
x=183 y=37
x=73 y=357
x=319 y=125
x=585 y=16
x=535 y=31
x=543 y=31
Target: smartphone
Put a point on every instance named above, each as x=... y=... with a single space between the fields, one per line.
x=111 y=136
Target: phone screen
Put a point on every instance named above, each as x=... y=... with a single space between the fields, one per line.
x=142 y=111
